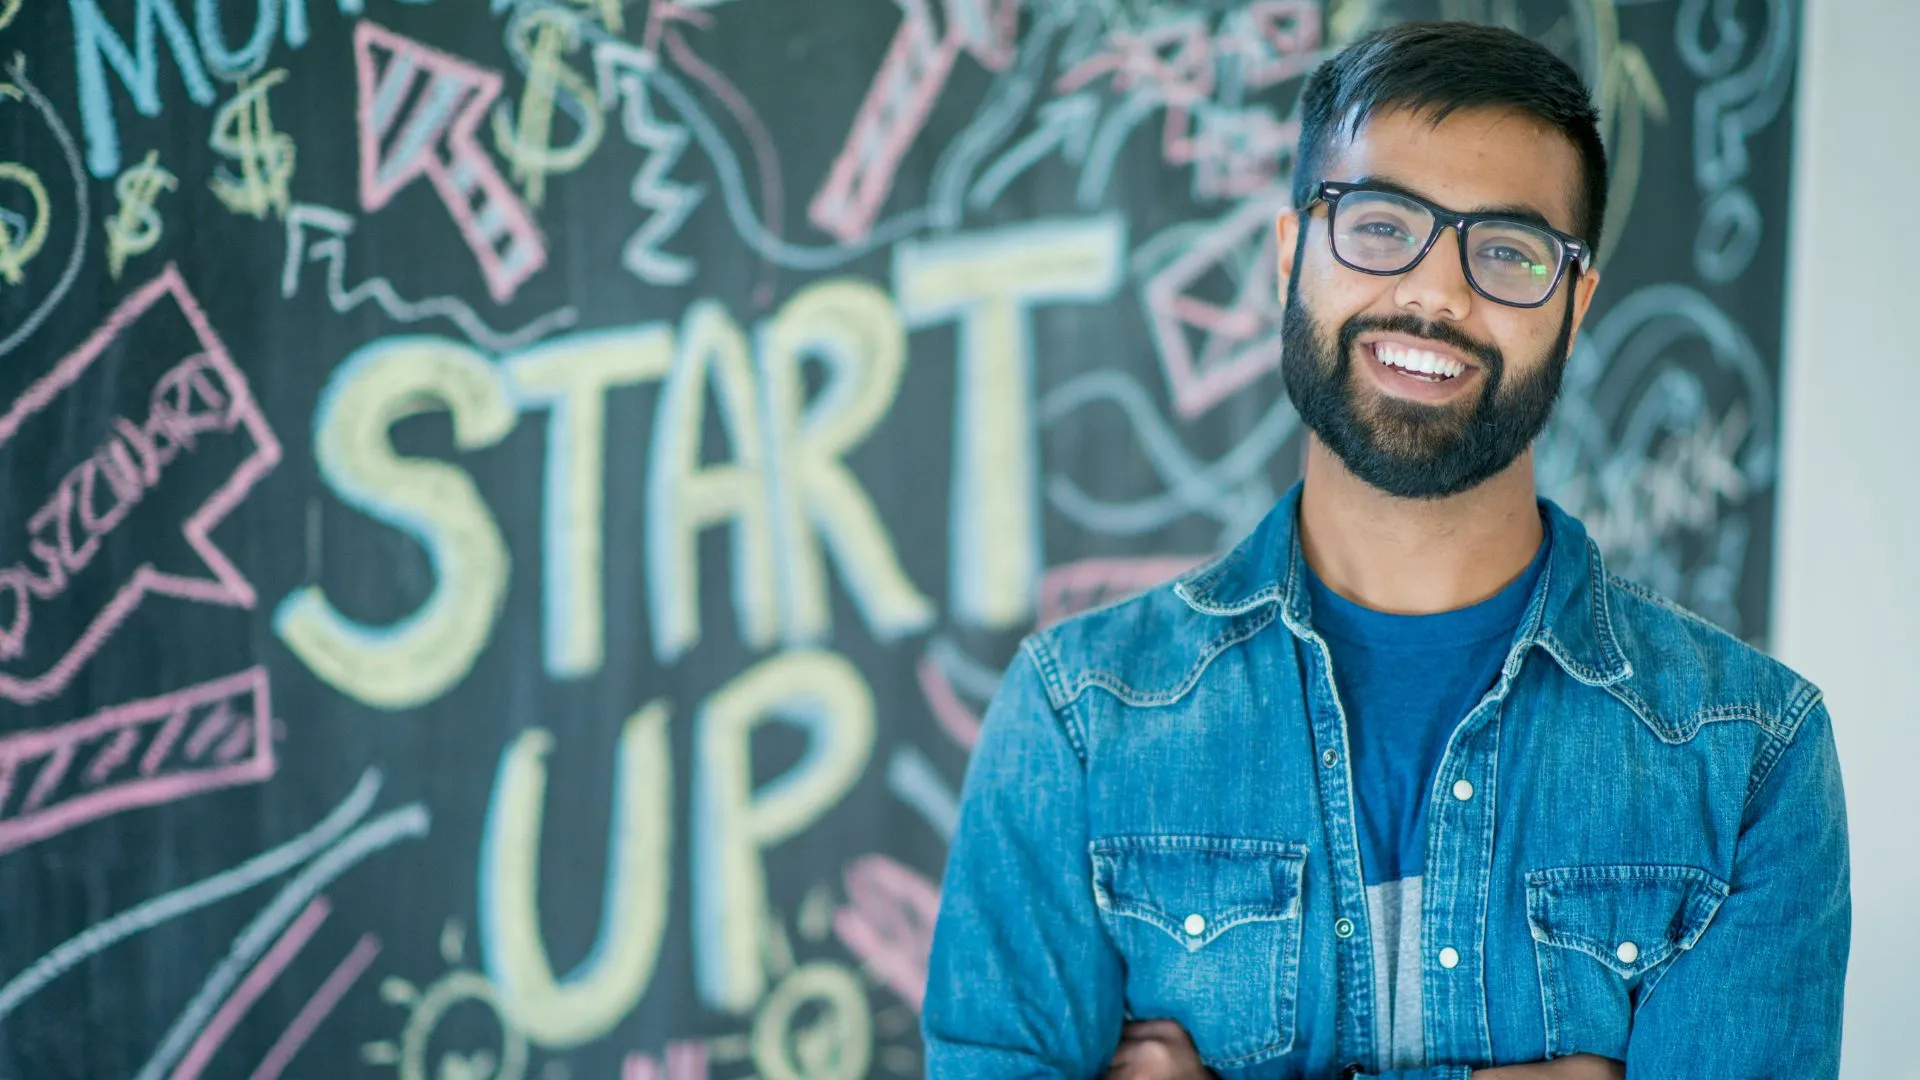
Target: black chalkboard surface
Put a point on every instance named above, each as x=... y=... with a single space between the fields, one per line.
x=510 y=510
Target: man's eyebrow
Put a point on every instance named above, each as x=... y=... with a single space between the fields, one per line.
x=1517 y=211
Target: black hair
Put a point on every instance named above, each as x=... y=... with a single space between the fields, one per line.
x=1435 y=68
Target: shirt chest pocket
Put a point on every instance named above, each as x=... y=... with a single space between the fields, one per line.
x=1210 y=928
x=1603 y=937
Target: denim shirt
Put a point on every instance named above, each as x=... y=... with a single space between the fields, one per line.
x=1648 y=862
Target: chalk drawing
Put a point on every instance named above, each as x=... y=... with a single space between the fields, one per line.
x=851 y=328
x=190 y=898
x=685 y=496
x=591 y=1000
x=1232 y=490
x=1732 y=106
x=434 y=136
x=990 y=282
x=96 y=44
x=835 y=1042
x=622 y=73
x=136 y=226
x=405 y=823
x=418 y=1054
x=1242 y=338
x=304 y=217
x=1089 y=583
x=132 y=755
x=16 y=251
x=899 y=99
x=224 y=584
x=823 y=695
x=683 y=1060
x=960 y=721
x=538 y=39
x=21 y=88
x=223 y=1021
x=1065 y=125
x=243 y=131
x=572 y=377
x=914 y=781
x=888 y=923
x=318 y=1007
x=424 y=654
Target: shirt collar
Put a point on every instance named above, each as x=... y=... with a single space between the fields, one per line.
x=1567 y=615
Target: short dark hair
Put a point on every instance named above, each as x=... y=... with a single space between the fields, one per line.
x=1436 y=68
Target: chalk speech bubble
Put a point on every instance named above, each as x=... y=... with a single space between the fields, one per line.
x=212 y=735
x=201 y=396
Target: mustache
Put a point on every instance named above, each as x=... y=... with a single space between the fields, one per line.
x=1413 y=326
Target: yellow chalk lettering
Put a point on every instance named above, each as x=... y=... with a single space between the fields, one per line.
x=733 y=824
x=606 y=986
x=990 y=282
x=852 y=327
x=422 y=656
x=572 y=377
x=685 y=496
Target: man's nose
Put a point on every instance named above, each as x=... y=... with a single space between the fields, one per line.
x=1437 y=286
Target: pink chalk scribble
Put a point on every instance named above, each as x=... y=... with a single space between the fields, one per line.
x=1242 y=338
x=110 y=777
x=435 y=136
x=902 y=94
x=1077 y=586
x=685 y=1060
x=888 y=923
x=251 y=988
x=1237 y=150
x=953 y=714
x=205 y=394
x=317 y=1008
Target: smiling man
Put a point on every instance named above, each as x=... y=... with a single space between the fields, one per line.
x=1406 y=784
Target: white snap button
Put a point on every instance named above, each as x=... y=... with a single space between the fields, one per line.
x=1196 y=925
x=1628 y=952
x=1449 y=957
x=1463 y=790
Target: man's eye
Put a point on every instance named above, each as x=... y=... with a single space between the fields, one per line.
x=1513 y=256
x=1383 y=230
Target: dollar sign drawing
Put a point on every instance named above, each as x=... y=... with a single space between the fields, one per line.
x=542 y=37
x=136 y=227
x=17 y=251
x=243 y=130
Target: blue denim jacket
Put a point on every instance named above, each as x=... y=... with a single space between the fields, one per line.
x=1652 y=864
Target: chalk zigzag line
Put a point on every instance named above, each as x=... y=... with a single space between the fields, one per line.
x=333 y=250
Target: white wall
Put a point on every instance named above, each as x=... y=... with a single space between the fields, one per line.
x=1847 y=572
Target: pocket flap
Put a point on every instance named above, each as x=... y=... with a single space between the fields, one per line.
x=1629 y=917
x=1196 y=888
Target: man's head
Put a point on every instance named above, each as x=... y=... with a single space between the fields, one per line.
x=1413 y=124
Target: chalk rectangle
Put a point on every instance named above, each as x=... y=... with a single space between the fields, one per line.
x=141 y=753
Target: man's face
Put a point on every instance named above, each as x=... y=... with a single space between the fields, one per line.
x=1422 y=436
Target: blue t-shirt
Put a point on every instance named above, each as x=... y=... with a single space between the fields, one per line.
x=1405 y=682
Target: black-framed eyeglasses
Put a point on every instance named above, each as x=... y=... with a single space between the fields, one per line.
x=1506 y=260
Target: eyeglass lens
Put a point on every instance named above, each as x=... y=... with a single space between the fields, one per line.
x=1384 y=233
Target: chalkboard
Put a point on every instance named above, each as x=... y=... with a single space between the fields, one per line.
x=510 y=511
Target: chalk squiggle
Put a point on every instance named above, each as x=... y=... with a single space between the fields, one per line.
x=268 y=864
x=18 y=71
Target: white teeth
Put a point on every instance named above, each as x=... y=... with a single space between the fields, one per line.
x=1418 y=360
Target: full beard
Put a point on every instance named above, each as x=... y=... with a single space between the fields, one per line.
x=1412 y=449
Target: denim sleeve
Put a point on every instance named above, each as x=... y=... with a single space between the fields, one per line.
x=1023 y=980
x=1760 y=993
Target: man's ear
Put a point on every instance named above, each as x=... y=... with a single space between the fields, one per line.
x=1583 y=288
x=1286 y=234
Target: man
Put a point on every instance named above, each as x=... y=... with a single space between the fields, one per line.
x=1405 y=785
